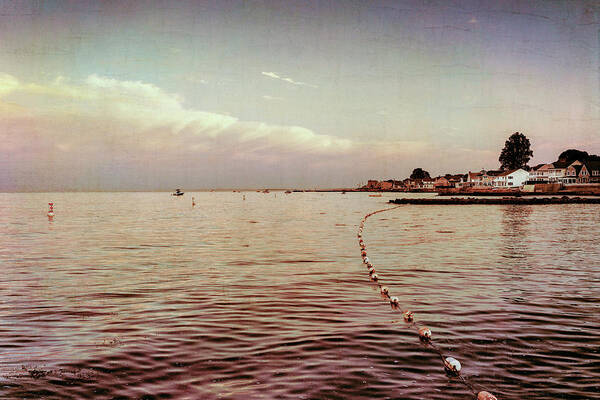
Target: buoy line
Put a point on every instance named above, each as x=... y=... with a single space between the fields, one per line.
x=452 y=366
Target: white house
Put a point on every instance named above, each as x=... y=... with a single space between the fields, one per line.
x=512 y=178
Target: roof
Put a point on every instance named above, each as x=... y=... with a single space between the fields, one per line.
x=561 y=164
x=472 y=175
x=592 y=165
x=577 y=168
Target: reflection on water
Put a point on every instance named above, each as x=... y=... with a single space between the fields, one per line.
x=139 y=294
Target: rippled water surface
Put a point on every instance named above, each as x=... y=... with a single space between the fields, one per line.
x=139 y=295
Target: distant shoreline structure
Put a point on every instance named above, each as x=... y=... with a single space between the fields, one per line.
x=501 y=200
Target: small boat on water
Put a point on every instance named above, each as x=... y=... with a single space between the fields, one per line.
x=375 y=195
x=178 y=192
x=288 y=191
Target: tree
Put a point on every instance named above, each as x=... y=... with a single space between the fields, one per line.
x=419 y=173
x=572 y=155
x=516 y=152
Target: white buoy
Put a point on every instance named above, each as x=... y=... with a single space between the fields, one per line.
x=394 y=301
x=374 y=277
x=483 y=395
x=371 y=271
x=366 y=260
x=452 y=365
x=425 y=334
x=408 y=316
x=385 y=291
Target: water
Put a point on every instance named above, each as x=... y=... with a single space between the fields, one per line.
x=137 y=295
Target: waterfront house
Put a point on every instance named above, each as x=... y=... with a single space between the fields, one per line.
x=428 y=184
x=372 y=184
x=573 y=174
x=482 y=179
x=385 y=185
x=512 y=178
x=589 y=172
x=441 y=182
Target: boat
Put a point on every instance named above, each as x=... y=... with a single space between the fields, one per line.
x=288 y=191
x=375 y=195
x=178 y=192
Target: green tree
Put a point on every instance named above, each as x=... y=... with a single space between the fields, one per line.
x=516 y=152
x=419 y=173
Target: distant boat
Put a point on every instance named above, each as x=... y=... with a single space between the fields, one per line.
x=177 y=193
x=266 y=191
x=288 y=191
x=375 y=195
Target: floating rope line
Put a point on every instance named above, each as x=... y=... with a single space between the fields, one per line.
x=451 y=365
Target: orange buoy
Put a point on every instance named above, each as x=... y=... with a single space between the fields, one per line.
x=51 y=210
x=363 y=253
x=425 y=334
x=483 y=395
x=408 y=316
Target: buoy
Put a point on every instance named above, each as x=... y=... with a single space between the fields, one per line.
x=408 y=316
x=366 y=260
x=193 y=202
x=363 y=253
x=371 y=271
x=384 y=291
x=425 y=334
x=394 y=301
x=51 y=210
x=485 y=396
x=452 y=365
x=369 y=265
x=374 y=277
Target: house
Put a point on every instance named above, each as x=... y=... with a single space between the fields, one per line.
x=441 y=182
x=385 y=185
x=512 y=178
x=427 y=184
x=589 y=172
x=483 y=178
x=572 y=174
x=372 y=184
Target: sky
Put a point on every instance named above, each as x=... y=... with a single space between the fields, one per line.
x=157 y=95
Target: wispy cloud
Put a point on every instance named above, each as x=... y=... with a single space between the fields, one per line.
x=272 y=98
x=287 y=79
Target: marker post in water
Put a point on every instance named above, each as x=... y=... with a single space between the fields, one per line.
x=51 y=211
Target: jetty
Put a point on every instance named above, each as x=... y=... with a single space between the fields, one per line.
x=501 y=200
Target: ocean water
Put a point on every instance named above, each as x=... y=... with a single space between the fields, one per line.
x=139 y=295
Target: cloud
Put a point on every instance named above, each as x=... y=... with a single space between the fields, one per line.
x=288 y=80
x=105 y=133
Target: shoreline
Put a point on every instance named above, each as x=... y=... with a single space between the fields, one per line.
x=502 y=200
